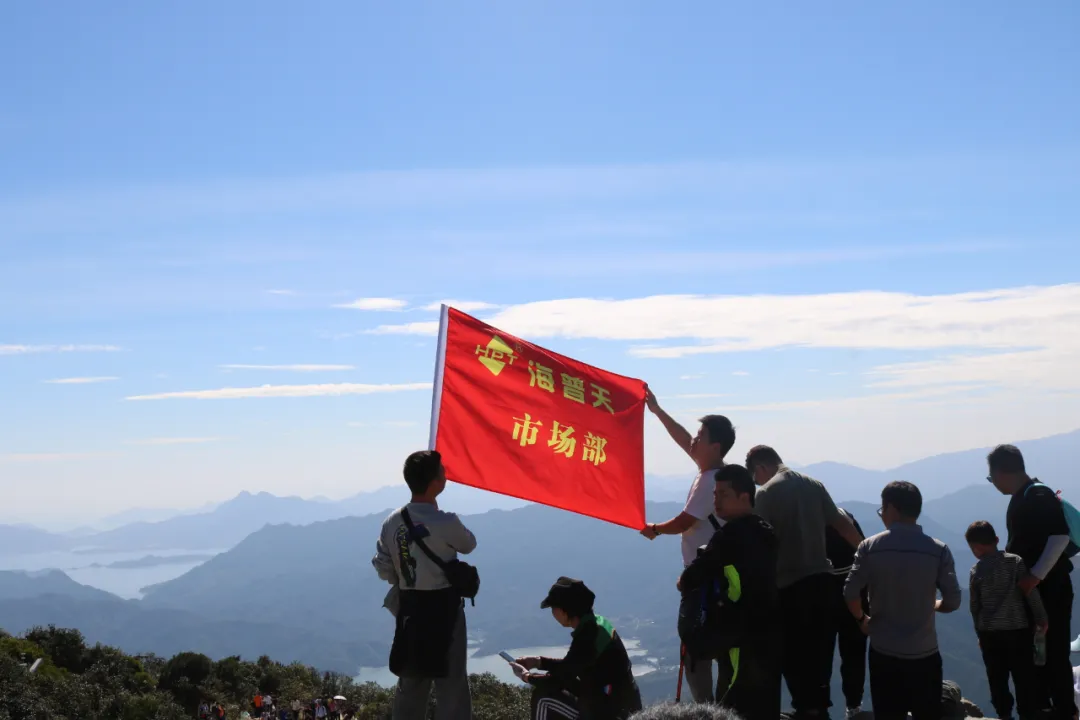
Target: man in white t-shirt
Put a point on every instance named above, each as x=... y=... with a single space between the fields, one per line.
x=695 y=523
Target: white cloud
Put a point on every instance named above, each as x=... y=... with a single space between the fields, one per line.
x=174 y=441
x=48 y=457
x=740 y=373
x=279 y=391
x=80 y=380
x=282 y=292
x=386 y=423
x=462 y=305
x=865 y=319
x=695 y=396
x=692 y=377
x=1019 y=337
x=34 y=349
x=413 y=328
x=374 y=304
x=291 y=368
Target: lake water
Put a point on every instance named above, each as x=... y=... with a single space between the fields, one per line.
x=643 y=664
x=125 y=582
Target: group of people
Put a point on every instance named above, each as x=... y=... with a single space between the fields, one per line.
x=774 y=575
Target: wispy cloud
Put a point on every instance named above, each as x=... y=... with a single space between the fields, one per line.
x=413 y=328
x=34 y=349
x=1019 y=337
x=378 y=304
x=696 y=396
x=174 y=441
x=1014 y=317
x=80 y=380
x=49 y=457
x=281 y=391
x=282 y=292
x=740 y=373
x=291 y=368
x=462 y=305
x=697 y=376
x=386 y=423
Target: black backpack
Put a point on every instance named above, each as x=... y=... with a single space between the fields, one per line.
x=463 y=577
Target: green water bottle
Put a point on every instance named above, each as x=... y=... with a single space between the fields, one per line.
x=1040 y=647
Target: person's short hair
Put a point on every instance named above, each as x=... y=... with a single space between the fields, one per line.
x=720 y=430
x=981 y=532
x=685 y=711
x=421 y=469
x=1006 y=459
x=903 y=496
x=762 y=455
x=742 y=482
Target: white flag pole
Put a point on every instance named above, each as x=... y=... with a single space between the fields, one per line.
x=440 y=366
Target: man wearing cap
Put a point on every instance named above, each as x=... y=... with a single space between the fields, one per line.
x=595 y=680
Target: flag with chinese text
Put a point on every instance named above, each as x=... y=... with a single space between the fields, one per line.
x=511 y=417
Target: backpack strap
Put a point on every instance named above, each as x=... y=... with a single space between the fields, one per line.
x=420 y=541
x=714 y=522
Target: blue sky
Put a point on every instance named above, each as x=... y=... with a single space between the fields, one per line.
x=873 y=212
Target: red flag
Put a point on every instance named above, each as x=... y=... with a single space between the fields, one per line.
x=511 y=417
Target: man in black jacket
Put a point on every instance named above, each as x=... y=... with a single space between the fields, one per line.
x=594 y=681
x=737 y=574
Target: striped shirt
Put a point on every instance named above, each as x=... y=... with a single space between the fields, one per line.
x=997 y=603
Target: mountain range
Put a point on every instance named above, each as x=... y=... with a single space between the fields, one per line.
x=230 y=522
x=297 y=583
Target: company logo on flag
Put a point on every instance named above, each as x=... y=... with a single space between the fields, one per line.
x=514 y=418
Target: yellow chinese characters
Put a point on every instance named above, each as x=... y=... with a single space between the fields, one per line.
x=525 y=430
x=594 y=449
x=601 y=398
x=541 y=377
x=560 y=441
x=573 y=388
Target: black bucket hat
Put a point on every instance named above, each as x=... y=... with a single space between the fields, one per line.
x=569 y=595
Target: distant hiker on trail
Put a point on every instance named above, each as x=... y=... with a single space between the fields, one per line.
x=595 y=680
x=903 y=568
x=800 y=510
x=430 y=643
x=707 y=448
x=850 y=638
x=1006 y=636
x=736 y=576
x=1039 y=534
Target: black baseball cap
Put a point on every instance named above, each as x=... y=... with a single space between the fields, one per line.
x=569 y=595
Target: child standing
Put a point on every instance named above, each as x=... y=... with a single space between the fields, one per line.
x=1001 y=614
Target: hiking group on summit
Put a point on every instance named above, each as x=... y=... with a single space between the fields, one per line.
x=774 y=575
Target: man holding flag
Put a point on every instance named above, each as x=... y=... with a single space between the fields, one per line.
x=708 y=448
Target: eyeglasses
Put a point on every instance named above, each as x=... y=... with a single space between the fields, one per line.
x=989 y=478
x=880 y=512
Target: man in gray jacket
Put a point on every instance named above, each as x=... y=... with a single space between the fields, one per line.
x=903 y=568
x=430 y=644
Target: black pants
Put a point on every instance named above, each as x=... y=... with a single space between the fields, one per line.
x=1056 y=676
x=898 y=687
x=1005 y=653
x=554 y=704
x=808 y=613
x=755 y=692
x=852 y=643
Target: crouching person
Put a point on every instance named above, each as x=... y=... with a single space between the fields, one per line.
x=594 y=681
